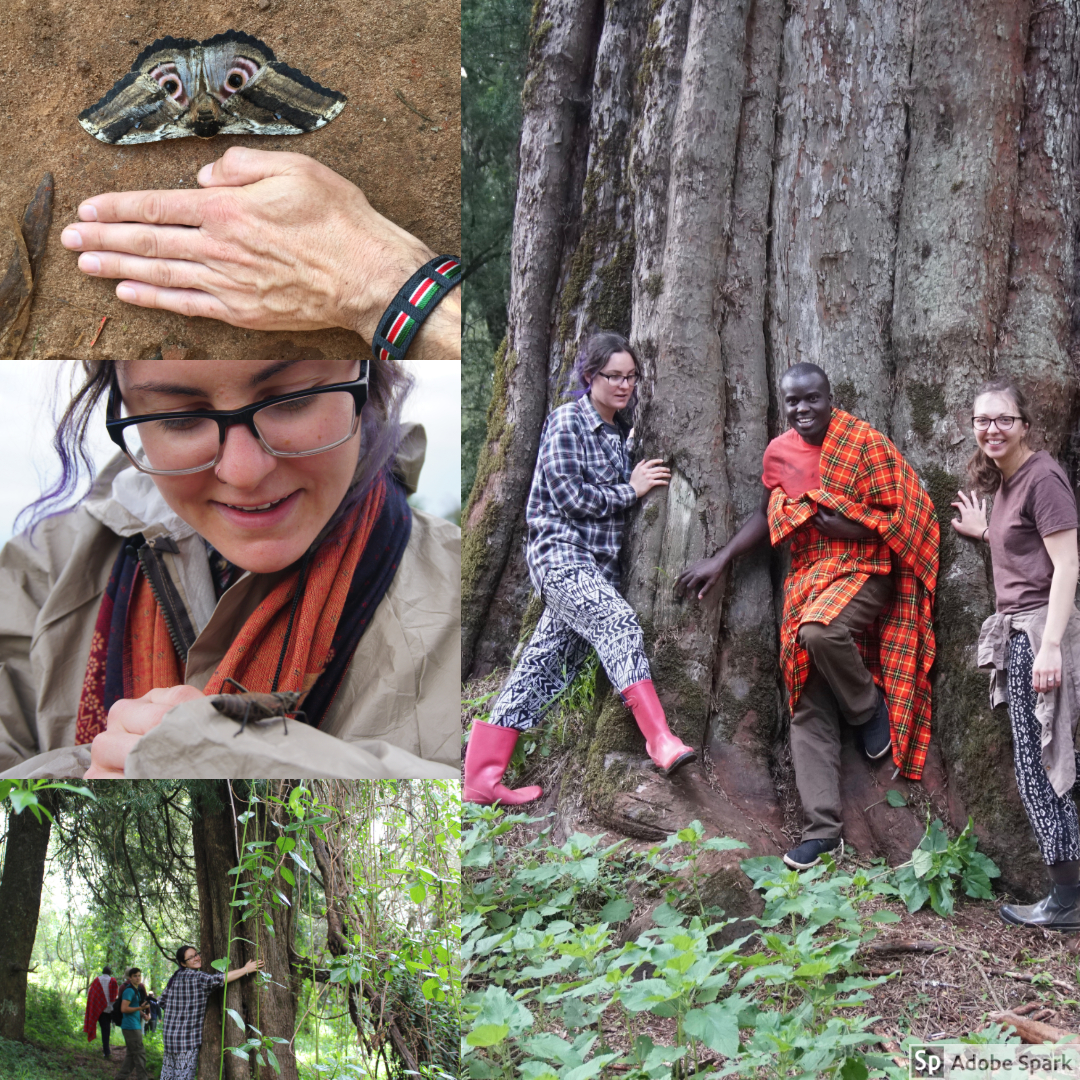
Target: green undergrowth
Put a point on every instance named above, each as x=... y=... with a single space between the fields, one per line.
x=568 y=977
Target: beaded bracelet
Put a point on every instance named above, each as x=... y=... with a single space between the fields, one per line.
x=415 y=301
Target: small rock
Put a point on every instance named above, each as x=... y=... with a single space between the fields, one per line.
x=263 y=5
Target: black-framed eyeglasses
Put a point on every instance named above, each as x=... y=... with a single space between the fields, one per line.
x=1004 y=423
x=299 y=424
x=618 y=379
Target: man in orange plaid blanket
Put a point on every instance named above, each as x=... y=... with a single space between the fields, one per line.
x=856 y=641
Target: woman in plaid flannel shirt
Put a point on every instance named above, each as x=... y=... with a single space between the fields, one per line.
x=184 y=1002
x=582 y=492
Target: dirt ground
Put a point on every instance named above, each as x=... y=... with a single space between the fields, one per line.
x=393 y=60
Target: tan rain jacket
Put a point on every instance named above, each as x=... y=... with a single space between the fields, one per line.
x=395 y=715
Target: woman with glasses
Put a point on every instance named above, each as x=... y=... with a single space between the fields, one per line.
x=582 y=493
x=1032 y=641
x=251 y=534
x=184 y=1003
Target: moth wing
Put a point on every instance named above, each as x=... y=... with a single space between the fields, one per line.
x=279 y=100
x=132 y=111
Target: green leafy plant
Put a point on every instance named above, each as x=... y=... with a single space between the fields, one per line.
x=938 y=864
x=23 y=794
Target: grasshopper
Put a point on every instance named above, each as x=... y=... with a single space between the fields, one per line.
x=246 y=705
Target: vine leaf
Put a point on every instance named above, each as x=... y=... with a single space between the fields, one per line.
x=238 y=1018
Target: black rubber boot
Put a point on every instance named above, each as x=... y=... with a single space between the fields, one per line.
x=1058 y=911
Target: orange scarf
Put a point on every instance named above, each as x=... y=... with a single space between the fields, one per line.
x=151 y=661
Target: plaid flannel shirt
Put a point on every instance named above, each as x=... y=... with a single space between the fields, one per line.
x=184 y=1002
x=580 y=499
x=864 y=477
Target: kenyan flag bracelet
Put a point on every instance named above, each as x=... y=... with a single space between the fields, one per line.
x=415 y=301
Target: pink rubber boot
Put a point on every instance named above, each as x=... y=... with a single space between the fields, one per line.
x=486 y=758
x=667 y=751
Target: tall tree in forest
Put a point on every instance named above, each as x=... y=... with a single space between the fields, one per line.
x=25 y=849
x=885 y=190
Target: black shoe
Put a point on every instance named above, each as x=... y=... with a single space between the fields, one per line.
x=1058 y=911
x=876 y=735
x=809 y=852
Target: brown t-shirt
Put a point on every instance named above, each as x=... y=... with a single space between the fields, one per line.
x=1034 y=502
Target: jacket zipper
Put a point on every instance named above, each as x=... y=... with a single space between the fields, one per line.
x=177 y=620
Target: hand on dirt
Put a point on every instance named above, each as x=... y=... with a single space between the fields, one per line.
x=972 y=520
x=129 y=720
x=649 y=474
x=273 y=241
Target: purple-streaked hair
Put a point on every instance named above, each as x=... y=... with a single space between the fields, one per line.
x=597 y=350
x=380 y=436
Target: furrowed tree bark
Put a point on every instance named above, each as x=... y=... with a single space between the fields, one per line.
x=559 y=61
x=20 y=901
x=951 y=277
x=271 y=1008
x=887 y=191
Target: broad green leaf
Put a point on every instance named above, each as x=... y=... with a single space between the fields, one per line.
x=716 y=1026
x=487 y=1034
x=418 y=893
x=273 y=1060
x=288 y=875
x=616 y=910
x=590 y=1068
x=220 y=965
x=20 y=800
x=238 y=1019
x=921 y=862
x=894 y=798
x=884 y=917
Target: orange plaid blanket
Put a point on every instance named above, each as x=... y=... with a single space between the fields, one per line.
x=864 y=478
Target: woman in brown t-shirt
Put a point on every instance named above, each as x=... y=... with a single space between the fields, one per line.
x=1032 y=537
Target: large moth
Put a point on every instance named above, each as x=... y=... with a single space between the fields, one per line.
x=230 y=84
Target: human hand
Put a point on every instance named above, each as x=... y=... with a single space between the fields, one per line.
x=649 y=474
x=1046 y=671
x=972 y=520
x=834 y=524
x=253 y=965
x=273 y=241
x=702 y=576
x=129 y=720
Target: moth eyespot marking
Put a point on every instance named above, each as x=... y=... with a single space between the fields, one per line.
x=235 y=80
x=170 y=86
x=240 y=72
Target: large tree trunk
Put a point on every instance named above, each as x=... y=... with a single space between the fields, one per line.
x=216 y=836
x=886 y=190
x=20 y=901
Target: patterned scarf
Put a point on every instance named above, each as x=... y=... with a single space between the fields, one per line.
x=864 y=477
x=312 y=635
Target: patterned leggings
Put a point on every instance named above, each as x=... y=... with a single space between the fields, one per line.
x=582 y=609
x=1053 y=817
x=180 y=1065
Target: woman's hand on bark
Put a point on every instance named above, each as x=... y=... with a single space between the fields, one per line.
x=649 y=474
x=833 y=524
x=702 y=576
x=129 y=720
x=972 y=520
x=273 y=241
x=1046 y=671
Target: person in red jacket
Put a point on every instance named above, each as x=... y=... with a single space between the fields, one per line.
x=101 y=993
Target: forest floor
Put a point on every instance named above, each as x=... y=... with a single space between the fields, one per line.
x=947 y=977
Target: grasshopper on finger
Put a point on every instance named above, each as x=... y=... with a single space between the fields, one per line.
x=245 y=705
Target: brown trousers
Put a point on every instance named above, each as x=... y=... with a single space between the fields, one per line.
x=837 y=686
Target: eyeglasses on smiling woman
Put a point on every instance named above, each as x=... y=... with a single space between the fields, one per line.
x=1004 y=423
x=300 y=424
x=616 y=378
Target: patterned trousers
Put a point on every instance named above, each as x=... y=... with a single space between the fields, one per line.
x=581 y=609
x=1053 y=817
x=180 y=1065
